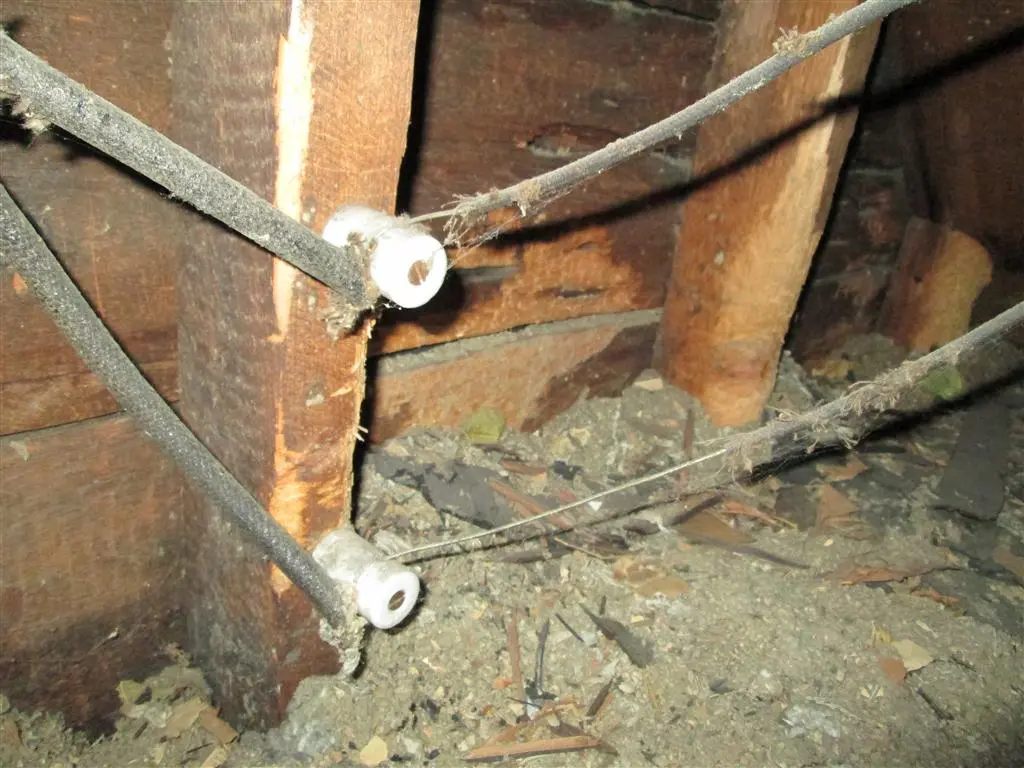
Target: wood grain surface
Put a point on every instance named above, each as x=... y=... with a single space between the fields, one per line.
x=91 y=587
x=747 y=240
x=115 y=234
x=307 y=104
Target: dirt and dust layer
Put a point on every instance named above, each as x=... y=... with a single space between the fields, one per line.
x=864 y=608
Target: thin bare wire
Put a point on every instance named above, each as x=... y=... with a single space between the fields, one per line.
x=558 y=510
x=845 y=421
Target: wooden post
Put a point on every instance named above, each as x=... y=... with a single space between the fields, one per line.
x=308 y=103
x=747 y=239
x=931 y=296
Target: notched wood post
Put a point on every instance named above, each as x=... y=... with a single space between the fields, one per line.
x=308 y=104
x=747 y=239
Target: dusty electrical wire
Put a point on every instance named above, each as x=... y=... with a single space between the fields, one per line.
x=843 y=421
x=44 y=95
x=531 y=195
x=23 y=250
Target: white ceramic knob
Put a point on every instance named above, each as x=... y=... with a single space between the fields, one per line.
x=407 y=264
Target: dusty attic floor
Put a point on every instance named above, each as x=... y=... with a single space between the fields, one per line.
x=840 y=613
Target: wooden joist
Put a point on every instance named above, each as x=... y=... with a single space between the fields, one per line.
x=530 y=375
x=308 y=104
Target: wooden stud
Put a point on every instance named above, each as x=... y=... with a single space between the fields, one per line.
x=940 y=274
x=307 y=103
x=747 y=238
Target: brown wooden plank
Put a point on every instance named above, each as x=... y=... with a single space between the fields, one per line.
x=969 y=124
x=517 y=88
x=90 y=588
x=747 y=240
x=116 y=235
x=599 y=264
x=57 y=399
x=520 y=57
x=530 y=375
x=308 y=104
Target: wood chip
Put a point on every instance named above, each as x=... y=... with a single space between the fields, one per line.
x=183 y=716
x=514 y=658
x=217 y=757
x=735 y=508
x=600 y=699
x=647 y=578
x=704 y=527
x=852 y=573
x=835 y=513
x=893 y=668
x=531 y=748
x=374 y=753
x=834 y=508
x=18 y=284
x=947 y=600
x=847 y=471
x=650 y=383
x=880 y=636
x=521 y=468
x=216 y=727
x=688 y=433
x=914 y=656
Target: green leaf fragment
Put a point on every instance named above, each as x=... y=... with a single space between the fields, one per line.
x=486 y=426
x=945 y=383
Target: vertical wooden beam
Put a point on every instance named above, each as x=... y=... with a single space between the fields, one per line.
x=747 y=239
x=940 y=274
x=308 y=103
